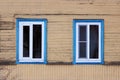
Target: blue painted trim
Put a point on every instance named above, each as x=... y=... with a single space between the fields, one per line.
x=17 y=39
x=31 y=63
x=31 y=19
x=102 y=41
x=45 y=42
x=88 y=20
x=93 y=63
x=74 y=40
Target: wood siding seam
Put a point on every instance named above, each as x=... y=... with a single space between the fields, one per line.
x=15 y=15
x=7 y=25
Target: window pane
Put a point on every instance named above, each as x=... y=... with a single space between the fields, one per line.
x=82 y=50
x=37 y=41
x=94 y=41
x=82 y=33
x=25 y=41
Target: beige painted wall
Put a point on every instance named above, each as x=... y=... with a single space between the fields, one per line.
x=60 y=14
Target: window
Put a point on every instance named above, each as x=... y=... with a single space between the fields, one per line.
x=31 y=40
x=88 y=43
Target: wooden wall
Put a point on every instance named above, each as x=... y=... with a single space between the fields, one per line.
x=60 y=14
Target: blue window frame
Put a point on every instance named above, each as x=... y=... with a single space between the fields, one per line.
x=31 y=41
x=88 y=41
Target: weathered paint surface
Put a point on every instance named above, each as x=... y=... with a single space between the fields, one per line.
x=60 y=14
x=60 y=36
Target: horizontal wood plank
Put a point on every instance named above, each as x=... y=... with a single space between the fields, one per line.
x=70 y=7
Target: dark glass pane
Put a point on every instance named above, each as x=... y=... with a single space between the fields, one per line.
x=82 y=33
x=37 y=41
x=82 y=50
x=25 y=41
x=94 y=41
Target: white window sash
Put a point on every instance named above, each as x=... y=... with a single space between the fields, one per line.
x=88 y=41
x=30 y=58
x=88 y=59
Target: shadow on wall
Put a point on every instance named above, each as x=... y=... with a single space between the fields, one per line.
x=6 y=62
x=7 y=25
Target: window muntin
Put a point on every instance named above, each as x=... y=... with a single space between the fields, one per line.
x=88 y=49
x=32 y=33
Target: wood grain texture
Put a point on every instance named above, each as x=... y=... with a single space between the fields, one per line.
x=9 y=7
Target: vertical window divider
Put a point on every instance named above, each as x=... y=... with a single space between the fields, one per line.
x=42 y=41
x=99 y=41
x=31 y=40
x=77 y=41
x=88 y=41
